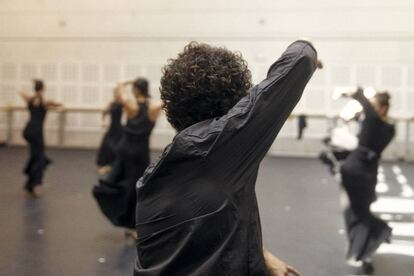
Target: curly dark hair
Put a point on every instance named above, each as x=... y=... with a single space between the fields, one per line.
x=203 y=82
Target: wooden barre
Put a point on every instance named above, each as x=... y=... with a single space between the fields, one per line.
x=97 y=110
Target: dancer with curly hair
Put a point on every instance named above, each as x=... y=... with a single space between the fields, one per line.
x=197 y=212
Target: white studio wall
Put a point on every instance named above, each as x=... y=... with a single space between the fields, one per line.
x=81 y=48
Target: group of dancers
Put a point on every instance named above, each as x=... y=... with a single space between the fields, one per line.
x=125 y=154
x=194 y=211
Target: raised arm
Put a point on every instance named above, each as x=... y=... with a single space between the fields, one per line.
x=106 y=111
x=155 y=110
x=25 y=96
x=249 y=128
x=130 y=107
x=50 y=104
x=369 y=110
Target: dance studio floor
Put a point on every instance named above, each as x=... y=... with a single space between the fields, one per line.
x=63 y=233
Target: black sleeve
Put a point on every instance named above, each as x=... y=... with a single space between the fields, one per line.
x=369 y=110
x=250 y=127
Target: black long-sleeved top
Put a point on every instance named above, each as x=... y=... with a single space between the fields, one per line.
x=375 y=133
x=197 y=212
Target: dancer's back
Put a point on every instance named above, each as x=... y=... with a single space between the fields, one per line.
x=197 y=212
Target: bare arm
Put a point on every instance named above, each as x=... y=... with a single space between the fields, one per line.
x=50 y=104
x=128 y=82
x=26 y=97
x=106 y=111
x=130 y=107
x=155 y=110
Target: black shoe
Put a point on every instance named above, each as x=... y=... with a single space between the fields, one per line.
x=32 y=193
x=367 y=268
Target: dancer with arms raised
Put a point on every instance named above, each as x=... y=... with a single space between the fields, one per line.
x=33 y=134
x=116 y=193
x=197 y=212
x=365 y=231
x=107 y=150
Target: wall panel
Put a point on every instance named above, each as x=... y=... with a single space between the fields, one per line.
x=81 y=48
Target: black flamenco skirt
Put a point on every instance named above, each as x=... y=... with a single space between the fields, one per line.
x=365 y=231
x=107 y=150
x=37 y=162
x=34 y=169
x=365 y=235
x=117 y=201
x=116 y=193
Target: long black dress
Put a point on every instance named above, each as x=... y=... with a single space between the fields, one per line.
x=107 y=150
x=33 y=134
x=116 y=193
x=197 y=212
x=359 y=177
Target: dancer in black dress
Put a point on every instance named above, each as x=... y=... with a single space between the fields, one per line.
x=365 y=231
x=33 y=134
x=197 y=212
x=116 y=193
x=107 y=149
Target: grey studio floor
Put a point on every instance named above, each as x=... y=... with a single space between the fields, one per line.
x=63 y=233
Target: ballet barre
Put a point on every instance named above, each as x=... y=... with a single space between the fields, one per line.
x=63 y=112
x=61 y=119
x=334 y=118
